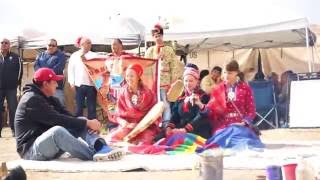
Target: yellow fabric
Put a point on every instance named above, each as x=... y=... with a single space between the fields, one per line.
x=170 y=67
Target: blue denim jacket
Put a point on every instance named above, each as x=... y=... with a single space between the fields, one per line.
x=55 y=61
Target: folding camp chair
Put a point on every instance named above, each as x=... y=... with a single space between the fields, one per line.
x=265 y=99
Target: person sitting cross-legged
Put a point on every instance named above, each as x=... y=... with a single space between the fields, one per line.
x=185 y=111
x=45 y=130
x=135 y=101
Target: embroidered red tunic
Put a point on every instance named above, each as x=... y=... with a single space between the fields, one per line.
x=133 y=114
x=238 y=107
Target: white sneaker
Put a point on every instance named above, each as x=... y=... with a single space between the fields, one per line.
x=114 y=155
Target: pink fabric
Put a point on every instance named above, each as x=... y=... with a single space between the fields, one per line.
x=148 y=149
x=144 y=138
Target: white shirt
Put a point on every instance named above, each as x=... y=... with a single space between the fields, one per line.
x=77 y=74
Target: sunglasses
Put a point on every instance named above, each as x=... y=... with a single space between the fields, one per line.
x=52 y=45
x=4 y=42
x=156 y=35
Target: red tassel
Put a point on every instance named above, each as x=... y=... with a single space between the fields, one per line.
x=157 y=26
x=78 y=41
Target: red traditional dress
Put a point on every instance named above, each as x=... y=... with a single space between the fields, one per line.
x=132 y=108
x=114 y=67
x=231 y=104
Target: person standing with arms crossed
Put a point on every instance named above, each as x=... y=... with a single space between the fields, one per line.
x=11 y=70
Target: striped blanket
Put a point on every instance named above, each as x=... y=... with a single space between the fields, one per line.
x=237 y=138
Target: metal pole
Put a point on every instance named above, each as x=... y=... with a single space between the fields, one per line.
x=313 y=63
x=308 y=52
x=208 y=59
x=140 y=42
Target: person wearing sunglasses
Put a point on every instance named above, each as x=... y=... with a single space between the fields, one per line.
x=54 y=59
x=10 y=78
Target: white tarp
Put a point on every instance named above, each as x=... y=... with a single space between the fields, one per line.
x=273 y=60
x=130 y=31
x=291 y=33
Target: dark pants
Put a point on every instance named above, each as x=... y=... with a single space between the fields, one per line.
x=11 y=96
x=90 y=93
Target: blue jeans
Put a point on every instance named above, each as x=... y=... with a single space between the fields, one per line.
x=90 y=93
x=11 y=96
x=57 y=140
x=60 y=95
x=166 y=115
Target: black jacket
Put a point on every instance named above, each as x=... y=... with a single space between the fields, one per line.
x=188 y=115
x=11 y=70
x=37 y=113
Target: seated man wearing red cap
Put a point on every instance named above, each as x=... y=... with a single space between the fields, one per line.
x=45 y=130
x=134 y=102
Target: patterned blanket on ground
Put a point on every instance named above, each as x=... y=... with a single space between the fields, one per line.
x=237 y=138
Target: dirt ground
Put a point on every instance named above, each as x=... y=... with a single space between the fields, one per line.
x=8 y=152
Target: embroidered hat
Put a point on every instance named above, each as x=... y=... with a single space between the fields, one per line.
x=46 y=74
x=191 y=71
x=157 y=29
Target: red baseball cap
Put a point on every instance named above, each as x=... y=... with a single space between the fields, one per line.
x=46 y=74
x=137 y=68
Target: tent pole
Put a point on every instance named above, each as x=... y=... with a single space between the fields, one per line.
x=208 y=59
x=140 y=41
x=308 y=52
x=145 y=46
x=312 y=54
x=233 y=55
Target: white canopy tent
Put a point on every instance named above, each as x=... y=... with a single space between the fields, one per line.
x=283 y=34
x=130 y=31
x=289 y=33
